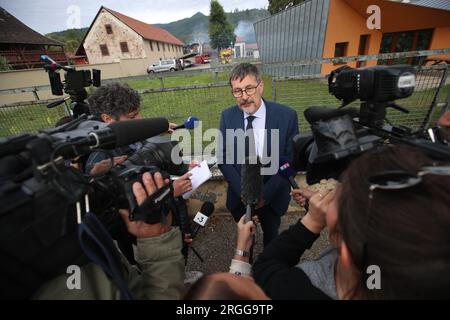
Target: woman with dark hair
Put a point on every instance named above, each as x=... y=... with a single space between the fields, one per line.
x=389 y=220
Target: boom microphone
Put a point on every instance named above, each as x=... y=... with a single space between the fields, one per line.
x=116 y=134
x=190 y=123
x=202 y=216
x=287 y=172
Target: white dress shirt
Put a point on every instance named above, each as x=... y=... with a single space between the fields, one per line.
x=259 y=126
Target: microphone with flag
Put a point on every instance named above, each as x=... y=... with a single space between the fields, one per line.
x=287 y=172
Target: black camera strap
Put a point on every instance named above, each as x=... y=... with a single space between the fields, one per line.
x=156 y=205
x=98 y=245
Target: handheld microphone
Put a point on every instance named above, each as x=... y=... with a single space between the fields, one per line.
x=202 y=216
x=116 y=134
x=189 y=123
x=251 y=186
x=287 y=172
x=47 y=59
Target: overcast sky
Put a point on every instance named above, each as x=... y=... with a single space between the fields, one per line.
x=46 y=16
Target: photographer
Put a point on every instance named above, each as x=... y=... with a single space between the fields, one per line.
x=390 y=212
x=160 y=270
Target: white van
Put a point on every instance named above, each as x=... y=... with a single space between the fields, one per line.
x=162 y=65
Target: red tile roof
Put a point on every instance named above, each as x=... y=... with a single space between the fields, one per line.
x=240 y=39
x=147 y=31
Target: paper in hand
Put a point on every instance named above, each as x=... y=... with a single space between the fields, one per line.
x=199 y=176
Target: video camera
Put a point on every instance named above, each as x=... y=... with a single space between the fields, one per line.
x=75 y=82
x=39 y=189
x=340 y=135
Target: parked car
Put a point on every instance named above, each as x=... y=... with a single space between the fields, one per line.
x=163 y=65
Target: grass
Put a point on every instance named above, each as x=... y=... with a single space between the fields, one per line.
x=207 y=103
x=177 y=81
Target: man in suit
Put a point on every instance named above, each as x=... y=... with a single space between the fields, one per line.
x=252 y=112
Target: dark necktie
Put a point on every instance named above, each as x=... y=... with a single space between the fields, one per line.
x=250 y=149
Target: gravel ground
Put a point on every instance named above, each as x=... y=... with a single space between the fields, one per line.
x=216 y=243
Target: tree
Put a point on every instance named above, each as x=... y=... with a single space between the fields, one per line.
x=221 y=33
x=280 y=5
x=4 y=65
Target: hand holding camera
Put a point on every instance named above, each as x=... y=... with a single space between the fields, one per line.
x=140 y=228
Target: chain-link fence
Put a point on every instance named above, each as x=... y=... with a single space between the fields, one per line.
x=206 y=101
x=432 y=87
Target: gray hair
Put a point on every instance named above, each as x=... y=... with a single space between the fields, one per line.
x=114 y=99
x=244 y=69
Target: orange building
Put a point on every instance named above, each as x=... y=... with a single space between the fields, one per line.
x=317 y=29
x=404 y=27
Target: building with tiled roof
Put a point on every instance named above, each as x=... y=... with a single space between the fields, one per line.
x=113 y=36
x=22 y=46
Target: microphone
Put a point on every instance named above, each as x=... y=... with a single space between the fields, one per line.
x=117 y=134
x=202 y=216
x=189 y=123
x=287 y=172
x=251 y=186
x=47 y=59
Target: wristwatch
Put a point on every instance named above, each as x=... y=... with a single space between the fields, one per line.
x=242 y=253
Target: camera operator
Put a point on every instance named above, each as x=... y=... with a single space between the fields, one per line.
x=390 y=211
x=119 y=102
x=160 y=270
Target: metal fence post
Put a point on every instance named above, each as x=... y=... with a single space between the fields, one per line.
x=274 y=90
x=161 y=81
x=428 y=116
x=216 y=76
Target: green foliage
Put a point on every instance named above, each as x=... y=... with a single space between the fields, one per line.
x=188 y=30
x=71 y=38
x=221 y=33
x=280 y=5
x=4 y=65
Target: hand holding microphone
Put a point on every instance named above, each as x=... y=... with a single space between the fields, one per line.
x=300 y=195
x=245 y=232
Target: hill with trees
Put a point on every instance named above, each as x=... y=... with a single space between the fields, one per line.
x=189 y=30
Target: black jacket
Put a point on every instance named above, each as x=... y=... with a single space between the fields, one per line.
x=275 y=269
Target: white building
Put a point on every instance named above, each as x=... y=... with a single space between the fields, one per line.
x=113 y=36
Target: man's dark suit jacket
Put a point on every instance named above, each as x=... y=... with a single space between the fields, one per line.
x=276 y=189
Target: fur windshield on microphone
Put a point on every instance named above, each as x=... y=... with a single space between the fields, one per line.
x=251 y=182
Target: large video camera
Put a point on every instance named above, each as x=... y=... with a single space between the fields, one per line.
x=39 y=189
x=340 y=135
x=75 y=82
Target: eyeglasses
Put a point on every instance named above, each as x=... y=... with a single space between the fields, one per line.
x=237 y=93
x=394 y=180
